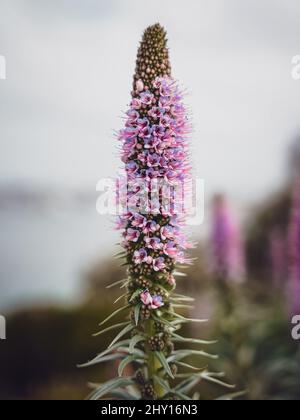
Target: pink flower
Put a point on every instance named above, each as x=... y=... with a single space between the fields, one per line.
x=156 y=112
x=150 y=227
x=146 y=98
x=157 y=302
x=132 y=235
x=133 y=116
x=153 y=160
x=146 y=298
x=138 y=220
x=170 y=249
x=153 y=243
x=159 y=264
x=131 y=167
x=140 y=256
x=167 y=232
x=136 y=103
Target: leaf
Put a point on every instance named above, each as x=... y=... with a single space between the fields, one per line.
x=114 y=313
x=181 y=354
x=136 y=339
x=116 y=283
x=229 y=397
x=213 y=377
x=111 y=385
x=136 y=351
x=175 y=315
x=179 y=274
x=119 y=298
x=161 y=357
x=98 y=358
x=121 y=324
x=125 y=362
x=182 y=305
x=123 y=395
x=179 y=338
x=188 y=384
x=107 y=358
x=187 y=365
x=135 y=294
x=137 y=314
x=125 y=330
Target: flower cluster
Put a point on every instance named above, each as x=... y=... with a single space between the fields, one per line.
x=294 y=252
x=154 y=152
x=226 y=243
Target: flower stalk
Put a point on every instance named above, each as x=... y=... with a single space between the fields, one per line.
x=152 y=195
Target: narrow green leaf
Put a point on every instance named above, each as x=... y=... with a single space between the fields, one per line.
x=98 y=358
x=229 y=397
x=213 y=377
x=187 y=365
x=136 y=351
x=137 y=310
x=116 y=283
x=179 y=338
x=104 y=389
x=120 y=297
x=136 y=339
x=161 y=357
x=117 y=311
x=125 y=362
x=107 y=358
x=179 y=274
x=135 y=294
x=121 y=334
x=188 y=384
x=181 y=354
x=112 y=327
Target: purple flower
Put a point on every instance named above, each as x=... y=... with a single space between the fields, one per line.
x=153 y=243
x=138 y=220
x=136 y=103
x=131 y=167
x=157 y=302
x=153 y=160
x=156 y=112
x=146 y=98
x=159 y=264
x=142 y=123
x=167 y=232
x=294 y=252
x=170 y=249
x=132 y=235
x=150 y=227
x=227 y=249
x=140 y=256
x=151 y=142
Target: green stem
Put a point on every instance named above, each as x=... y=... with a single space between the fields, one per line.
x=154 y=364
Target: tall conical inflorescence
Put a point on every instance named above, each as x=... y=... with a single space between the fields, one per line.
x=294 y=252
x=152 y=193
x=226 y=245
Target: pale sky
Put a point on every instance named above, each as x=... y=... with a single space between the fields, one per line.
x=69 y=72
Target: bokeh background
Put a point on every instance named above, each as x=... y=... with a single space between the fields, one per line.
x=69 y=73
